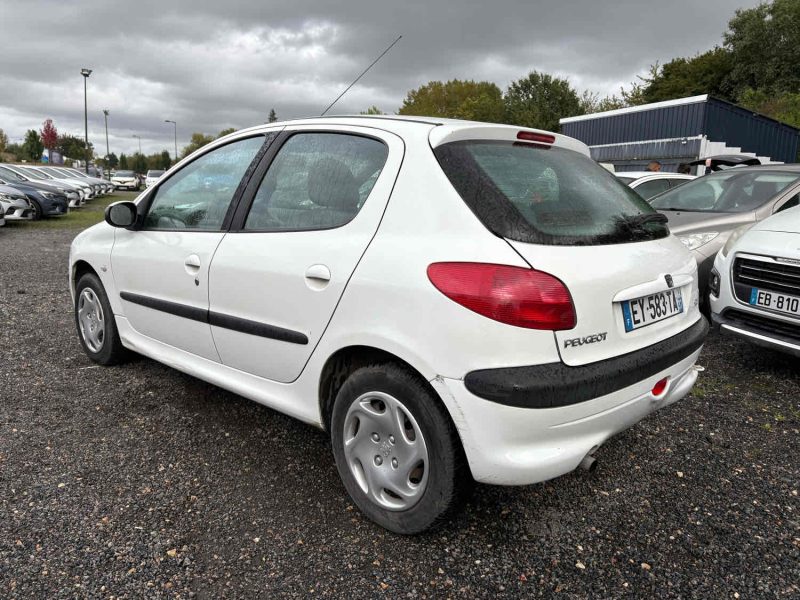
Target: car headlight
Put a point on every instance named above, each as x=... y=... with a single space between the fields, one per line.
x=694 y=240
x=49 y=194
x=733 y=238
x=6 y=197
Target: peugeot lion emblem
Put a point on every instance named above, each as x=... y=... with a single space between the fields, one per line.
x=668 y=279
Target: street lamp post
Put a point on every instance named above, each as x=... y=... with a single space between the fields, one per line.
x=86 y=72
x=176 y=137
x=140 y=142
x=108 y=153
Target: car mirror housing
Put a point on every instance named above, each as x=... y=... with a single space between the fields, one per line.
x=121 y=214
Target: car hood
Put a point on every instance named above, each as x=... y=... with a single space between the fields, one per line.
x=685 y=222
x=11 y=191
x=786 y=221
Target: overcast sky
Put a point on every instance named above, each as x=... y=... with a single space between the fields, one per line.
x=213 y=64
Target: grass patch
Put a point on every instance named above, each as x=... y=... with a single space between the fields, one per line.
x=77 y=218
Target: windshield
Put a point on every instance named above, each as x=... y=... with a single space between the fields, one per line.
x=74 y=172
x=731 y=191
x=546 y=195
x=52 y=172
x=626 y=180
x=33 y=174
x=124 y=174
x=155 y=173
x=10 y=175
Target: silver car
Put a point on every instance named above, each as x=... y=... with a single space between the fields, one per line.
x=15 y=204
x=704 y=213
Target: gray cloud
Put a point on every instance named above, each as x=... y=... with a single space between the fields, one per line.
x=211 y=65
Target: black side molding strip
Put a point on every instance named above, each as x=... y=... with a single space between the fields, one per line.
x=556 y=384
x=173 y=308
x=218 y=319
x=255 y=328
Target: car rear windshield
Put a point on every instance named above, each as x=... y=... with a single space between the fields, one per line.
x=732 y=191
x=546 y=195
x=155 y=173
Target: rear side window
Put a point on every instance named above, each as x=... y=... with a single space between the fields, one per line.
x=546 y=195
x=316 y=181
x=651 y=188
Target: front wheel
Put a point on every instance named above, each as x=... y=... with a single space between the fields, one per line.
x=97 y=329
x=37 y=210
x=396 y=449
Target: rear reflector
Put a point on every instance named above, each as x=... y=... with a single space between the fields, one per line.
x=659 y=387
x=512 y=295
x=532 y=136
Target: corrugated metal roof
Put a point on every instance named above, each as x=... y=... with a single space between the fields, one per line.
x=718 y=120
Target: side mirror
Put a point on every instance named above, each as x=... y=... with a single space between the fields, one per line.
x=121 y=214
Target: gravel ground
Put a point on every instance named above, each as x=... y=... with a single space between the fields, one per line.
x=137 y=481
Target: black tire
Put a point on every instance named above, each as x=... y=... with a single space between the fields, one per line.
x=111 y=352
x=448 y=477
x=37 y=210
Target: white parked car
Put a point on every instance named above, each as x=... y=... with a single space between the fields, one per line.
x=127 y=180
x=438 y=295
x=152 y=176
x=755 y=283
x=652 y=183
x=15 y=204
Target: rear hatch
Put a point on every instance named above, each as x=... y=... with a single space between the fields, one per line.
x=632 y=284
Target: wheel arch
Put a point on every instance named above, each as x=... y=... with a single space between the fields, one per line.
x=79 y=269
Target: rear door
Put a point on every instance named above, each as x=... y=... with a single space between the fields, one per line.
x=161 y=270
x=313 y=207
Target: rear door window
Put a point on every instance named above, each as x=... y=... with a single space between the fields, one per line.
x=651 y=188
x=546 y=195
x=317 y=181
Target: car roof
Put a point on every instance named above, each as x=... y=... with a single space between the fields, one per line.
x=446 y=130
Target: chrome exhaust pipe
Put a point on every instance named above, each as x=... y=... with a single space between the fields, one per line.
x=589 y=463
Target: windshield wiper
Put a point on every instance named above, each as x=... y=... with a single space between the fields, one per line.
x=645 y=218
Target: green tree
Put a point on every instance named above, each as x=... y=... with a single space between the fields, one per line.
x=783 y=107
x=198 y=140
x=540 y=100
x=164 y=160
x=113 y=161
x=72 y=147
x=272 y=116
x=592 y=103
x=32 y=147
x=764 y=45
x=373 y=110
x=707 y=73
x=3 y=141
x=473 y=100
x=123 y=162
x=139 y=163
x=225 y=132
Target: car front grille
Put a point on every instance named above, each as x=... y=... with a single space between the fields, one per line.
x=769 y=326
x=776 y=277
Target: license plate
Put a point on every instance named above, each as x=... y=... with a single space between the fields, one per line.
x=644 y=311
x=775 y=301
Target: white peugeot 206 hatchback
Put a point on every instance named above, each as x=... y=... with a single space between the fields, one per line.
x=450 y=300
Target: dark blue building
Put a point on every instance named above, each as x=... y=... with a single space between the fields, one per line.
x=678 y=131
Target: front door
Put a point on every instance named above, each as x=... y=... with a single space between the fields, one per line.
x=161 y=269
x=277 y=277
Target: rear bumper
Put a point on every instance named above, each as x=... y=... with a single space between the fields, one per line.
x=507 y=445
x=556 y=384
x=761 y=330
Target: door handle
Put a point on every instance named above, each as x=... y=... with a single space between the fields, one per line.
x=192 y=264
x=318 y=272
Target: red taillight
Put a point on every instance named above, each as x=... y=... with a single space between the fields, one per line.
x=659 y=387
x=532 y=136
x=512 y=295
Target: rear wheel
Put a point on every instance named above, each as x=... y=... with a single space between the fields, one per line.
x=97 y=329
x=396 y=449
